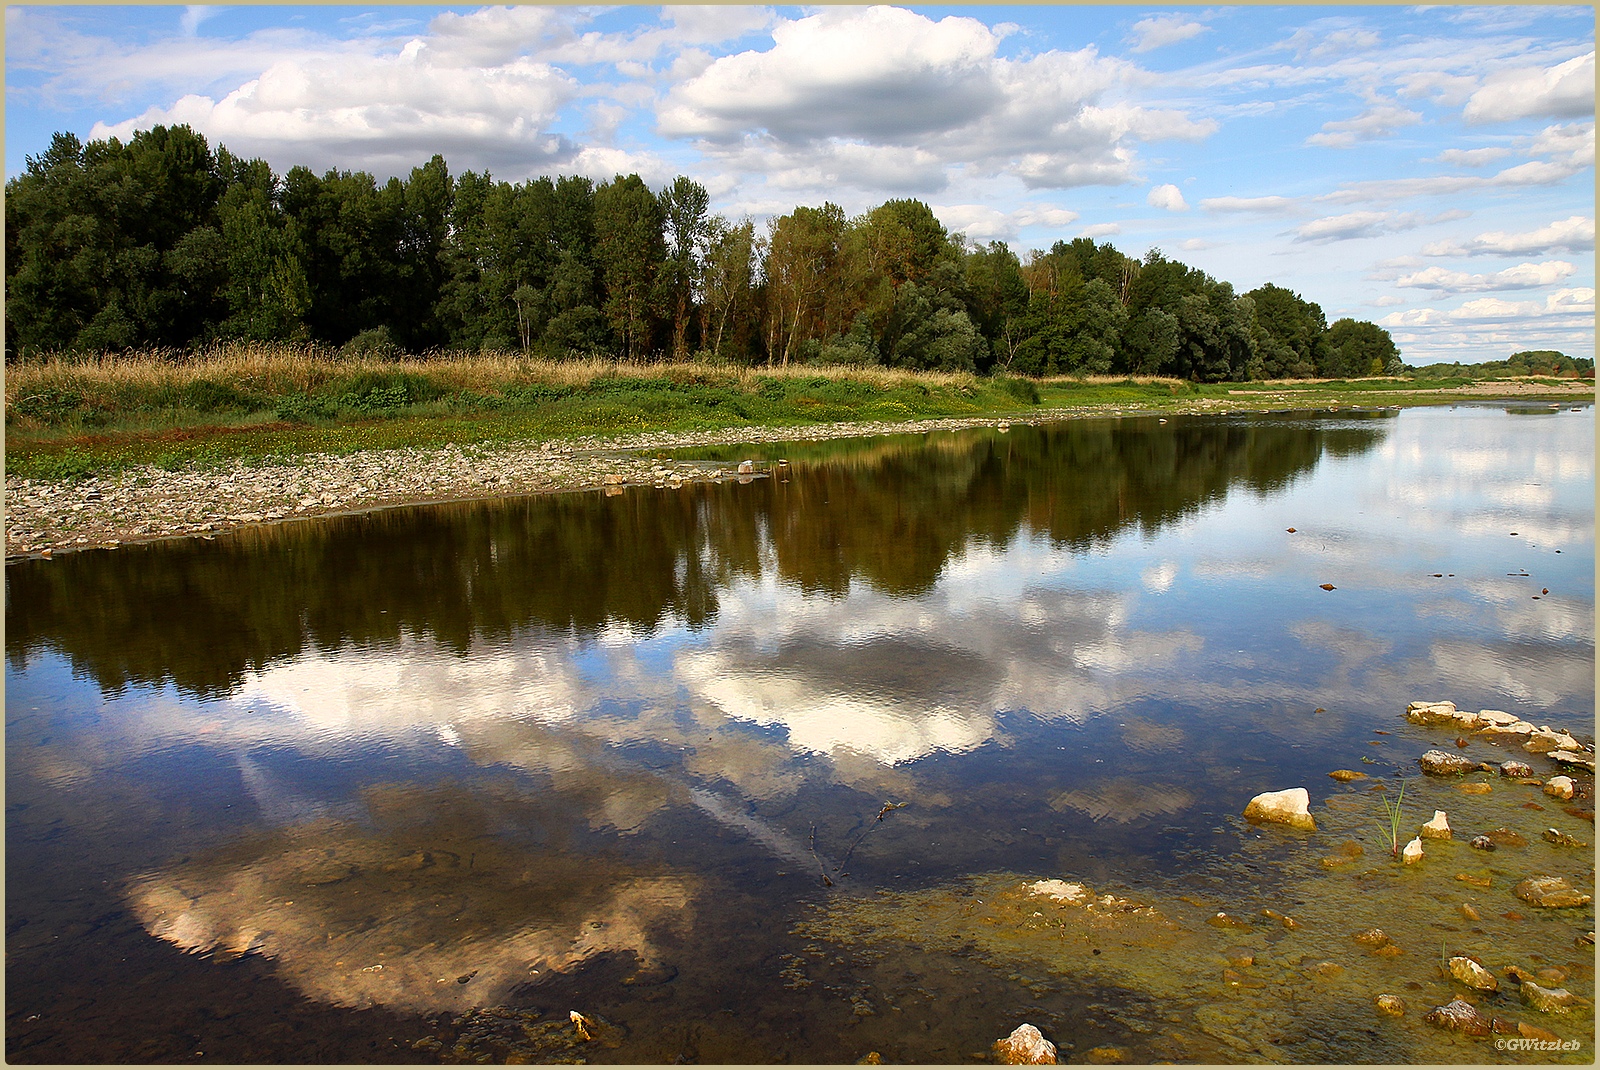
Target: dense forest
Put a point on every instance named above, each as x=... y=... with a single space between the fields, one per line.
x=164 y=243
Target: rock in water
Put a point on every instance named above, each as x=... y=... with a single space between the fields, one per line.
x=1412 y=852
x=1344 y=776
x=1025 y=1046
x=1472 y=975
x=1561 y=839
x=1549 y=892
x=1443 y=763
x=1512 y=767
x=1461 y=1017
x=1560 y=787
x=1548 y=1000
x=1291 y=806
x=1438 y=828
x=1391 y=1005
x=1482 y=843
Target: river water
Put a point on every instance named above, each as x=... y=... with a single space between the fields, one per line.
x=770 y=771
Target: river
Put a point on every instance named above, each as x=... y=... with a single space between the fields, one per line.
x=771 y=770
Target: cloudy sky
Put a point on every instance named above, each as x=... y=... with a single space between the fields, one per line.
x=1431 y=169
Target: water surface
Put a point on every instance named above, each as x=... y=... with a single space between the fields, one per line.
x=413 y=785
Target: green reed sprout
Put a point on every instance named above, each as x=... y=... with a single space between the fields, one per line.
x=1392 y=811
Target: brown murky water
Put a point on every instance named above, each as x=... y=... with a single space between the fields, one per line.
x=418 y=785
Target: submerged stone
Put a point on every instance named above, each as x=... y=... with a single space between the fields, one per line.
x=1344 y=776
x=1561 y=839
x=1473 y=975
x=1391 y=1005
x=1549 y=892
x=1548 y=1000
x=1504 y=837
x=1477 y=788
x=1459 y=1016
x=1026 y=1046
x=1371 y=938
x=1443 y=763
x=1291 y=806
x=1482 y=843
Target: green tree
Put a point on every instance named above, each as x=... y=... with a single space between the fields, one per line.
x=1290 y=333
x=629 y=248
x=688 y=231
x=1357 y=348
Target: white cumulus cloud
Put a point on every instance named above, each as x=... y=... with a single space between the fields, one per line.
x=893 y=79
x=1563 y=91
x=1574 y=234
x=1352 y=225
x=1169 y=197
x=1521 y=277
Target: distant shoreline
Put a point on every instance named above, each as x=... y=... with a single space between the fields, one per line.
x=143 y=503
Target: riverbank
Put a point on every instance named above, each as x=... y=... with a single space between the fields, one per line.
x=142 y=502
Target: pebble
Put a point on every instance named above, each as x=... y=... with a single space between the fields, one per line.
x=1438 y=828
x=1391 y=1005
x=1550 y=892
x=1443 y=763
x=1472 y=975
x=1459 y=1016
x=1504 y=837
x=1025 y=1046
x=1548 y=1000
x=44 y=515
x=1561 y=839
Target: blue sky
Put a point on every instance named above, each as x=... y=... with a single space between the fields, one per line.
x=1431 y=169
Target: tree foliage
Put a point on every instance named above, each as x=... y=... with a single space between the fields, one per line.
x=162 y=242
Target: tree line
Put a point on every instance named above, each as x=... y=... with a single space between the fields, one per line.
x=164 y=243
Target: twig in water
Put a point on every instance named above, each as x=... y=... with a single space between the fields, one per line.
x=886 y=808
x=826 y=882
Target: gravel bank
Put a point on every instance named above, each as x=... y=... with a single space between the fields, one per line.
x=45 y=517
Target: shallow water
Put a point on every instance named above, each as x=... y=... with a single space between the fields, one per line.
x=416 y=784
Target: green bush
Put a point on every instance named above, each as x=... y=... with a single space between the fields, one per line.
x=51 y=406
x=203 y=395
x=374 y=343
x=302 y=409
x=1024 y=390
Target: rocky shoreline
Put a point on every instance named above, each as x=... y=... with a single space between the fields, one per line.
x=46 y=517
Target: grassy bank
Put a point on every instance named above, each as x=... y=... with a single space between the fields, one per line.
x=66 y=418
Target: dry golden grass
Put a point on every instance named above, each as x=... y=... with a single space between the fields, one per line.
x=278 y=369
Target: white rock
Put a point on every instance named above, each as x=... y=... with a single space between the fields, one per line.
x=1496 y=717
x=1291 y=806
x=1438 y=828
x=1061 y=891
x=1544 y=741
x=1559 y=786
x=1412 y=852
x=1025 y=1046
